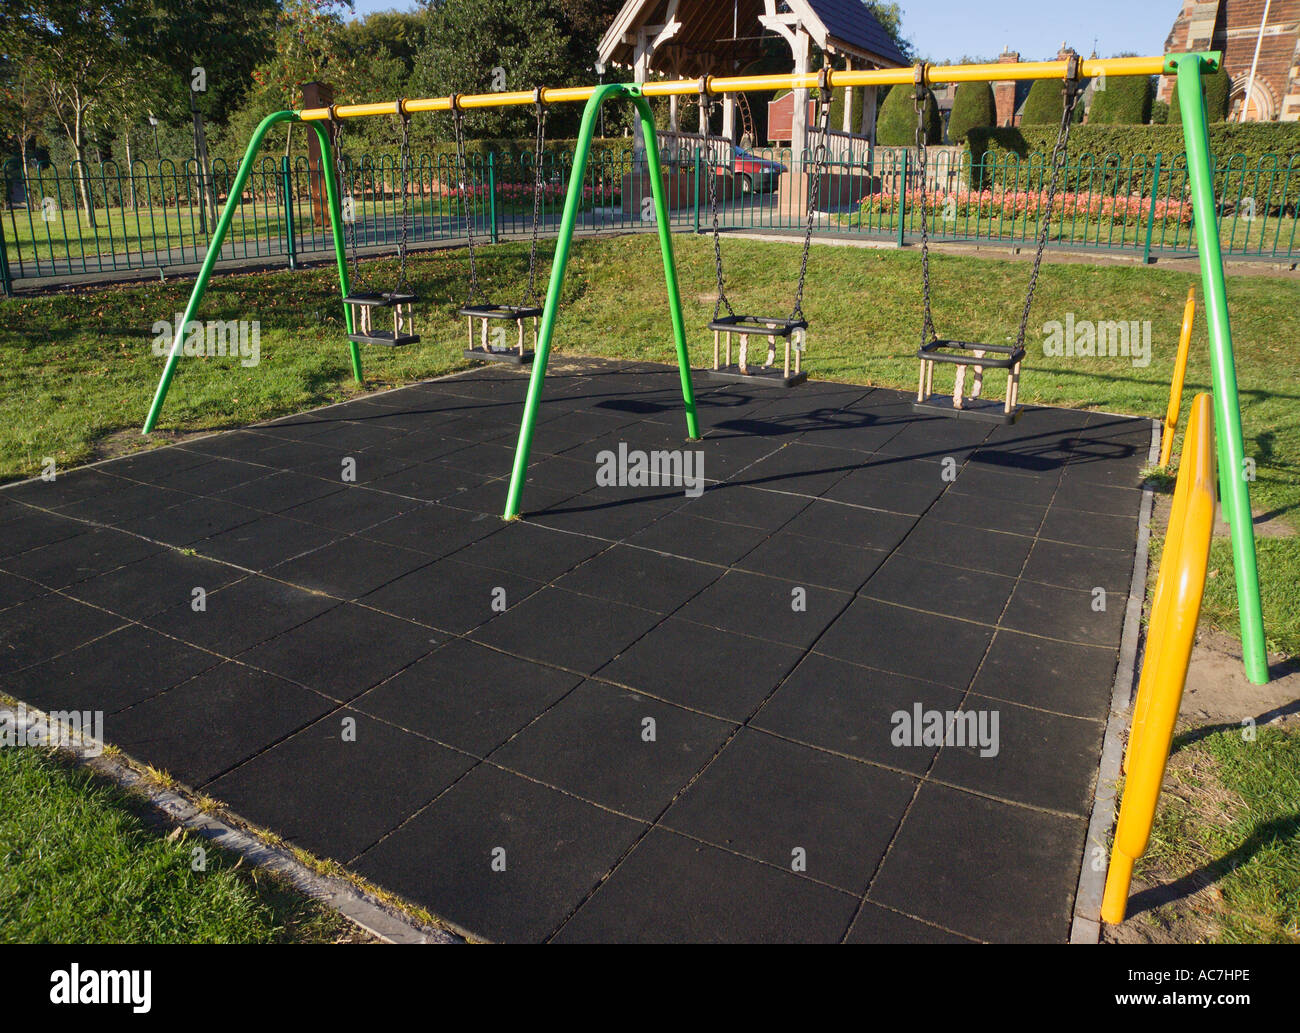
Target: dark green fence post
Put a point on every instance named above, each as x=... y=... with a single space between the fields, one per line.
x=1151 y=212
x=902 y=201
x=286 y=181
x=5 y=280
x=492 y=195
x=699 y=168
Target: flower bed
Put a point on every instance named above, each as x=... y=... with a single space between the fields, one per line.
x=1017 y=204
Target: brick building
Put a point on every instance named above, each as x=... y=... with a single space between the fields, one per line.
x=1238 y=27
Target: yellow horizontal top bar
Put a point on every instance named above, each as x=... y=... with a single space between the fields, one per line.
x=1117 y=66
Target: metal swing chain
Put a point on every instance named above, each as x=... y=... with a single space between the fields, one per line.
x=402 y=286
x=722 y=301
x=1072 y=90
x=819 y=164
x=531 y=297
x=458 y=121
x=921 y=98
x=349 y=225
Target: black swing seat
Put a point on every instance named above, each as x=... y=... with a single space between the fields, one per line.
x=511 y=312
x=779 y=327
x=387 y=299
x=952 y=351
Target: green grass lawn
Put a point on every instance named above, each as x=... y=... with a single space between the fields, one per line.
x=77 y=367
x=70 y=842
x=1228 y=817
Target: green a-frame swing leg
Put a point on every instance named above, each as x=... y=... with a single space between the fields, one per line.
x=572 y=202
x=1234 y=487
x=219 y=238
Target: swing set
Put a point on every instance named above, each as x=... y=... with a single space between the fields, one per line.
x=1187 y=68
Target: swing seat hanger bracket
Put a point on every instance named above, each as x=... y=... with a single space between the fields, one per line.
x=953 y=352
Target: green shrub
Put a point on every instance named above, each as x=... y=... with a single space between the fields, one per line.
x=972 y=106
x=1159 y=113
x=1043 y=105
x=1216 y=88
x=896 y=126
x=1126 y=101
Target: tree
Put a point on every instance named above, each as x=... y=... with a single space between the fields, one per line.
x=23 y=109
x=896 y=126
x=972 y=106
x=1044 y=104
x=1216 y=88
x=1125 y=101
x=890 y=16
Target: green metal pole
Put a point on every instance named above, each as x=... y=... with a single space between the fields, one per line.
x=699 y=171
x=1232 y=455
x=572 y=202
x=334 y=198
x=492 y=196
x=219 y=236
x=902 y=202
x=1151 y=211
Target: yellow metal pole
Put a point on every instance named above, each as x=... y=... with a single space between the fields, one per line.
x=1176 y=385
x=1111 y=66
x=1169 y=651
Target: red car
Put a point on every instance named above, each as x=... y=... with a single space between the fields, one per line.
x=754 y=174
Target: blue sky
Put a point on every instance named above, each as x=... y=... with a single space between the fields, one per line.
x=946 y=29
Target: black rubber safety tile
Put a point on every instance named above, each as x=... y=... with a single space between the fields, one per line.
x=192 y=520
x=349 y=568
x=1019 y=488
x=47 y=625
x=132 y=503
x=1028 y=756
x=241 y=615
x=641 y=578
x=718 y=897
x=851 y=525
x=166 y=460
x=1094 y=616
x=854 y=710
x=454 y=481
x=909 y=642
x=952 y=886
x=1091 y=529
x=467 y=696
x=752 y=507
x=608 y=513
x=572 y=631
x=616 y=748
x=989 y=512
x=1042 y=460
x=15 y=590
x=357 y=436
x=955 y=439
x=265 y=542
x=940 y=588
x=876 y=924
x=495 y=459
x=1080 y=566
x=1090 y=497
x=343 y=652
x=110 y=673
x=153 y=584
x=1062 y=676
x=767 y=607
x=908 y=489
x=561 y=474
x=207 y=725
x=283 y=489
x=300 y=426
x=695 y=538
x=500 y=856
x=477 y=422
x=433 y=529
x=800 y=469
x=65 y=488
x=532 y=551
x=34 y=529
x=717 y=672
x=1108 y=463
x=813 y=561
x=420 y=446
x=975 y=548
x=75 y=559
x=488 y=499
x=352 y=510
x=452 y=596
x=779 y=802
x=304 y=457
x=336 y=787
x=211 y=478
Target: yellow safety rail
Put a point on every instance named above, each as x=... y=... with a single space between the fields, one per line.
x=1176 y=385
x=1175 y=610
x=715 y=84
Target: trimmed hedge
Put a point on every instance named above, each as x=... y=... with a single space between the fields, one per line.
x=1126 y=101
x=1217 y=88
x=896 y=124
x=1043 y=106
x=972 y=106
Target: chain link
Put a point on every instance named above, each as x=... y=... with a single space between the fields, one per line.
x=707 y=161
x=530 y=298
x=921 y=101
x=819 y=165
x=458 y=122
x=349 y=225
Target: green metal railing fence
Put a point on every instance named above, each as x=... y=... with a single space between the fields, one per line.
x=161 y=215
